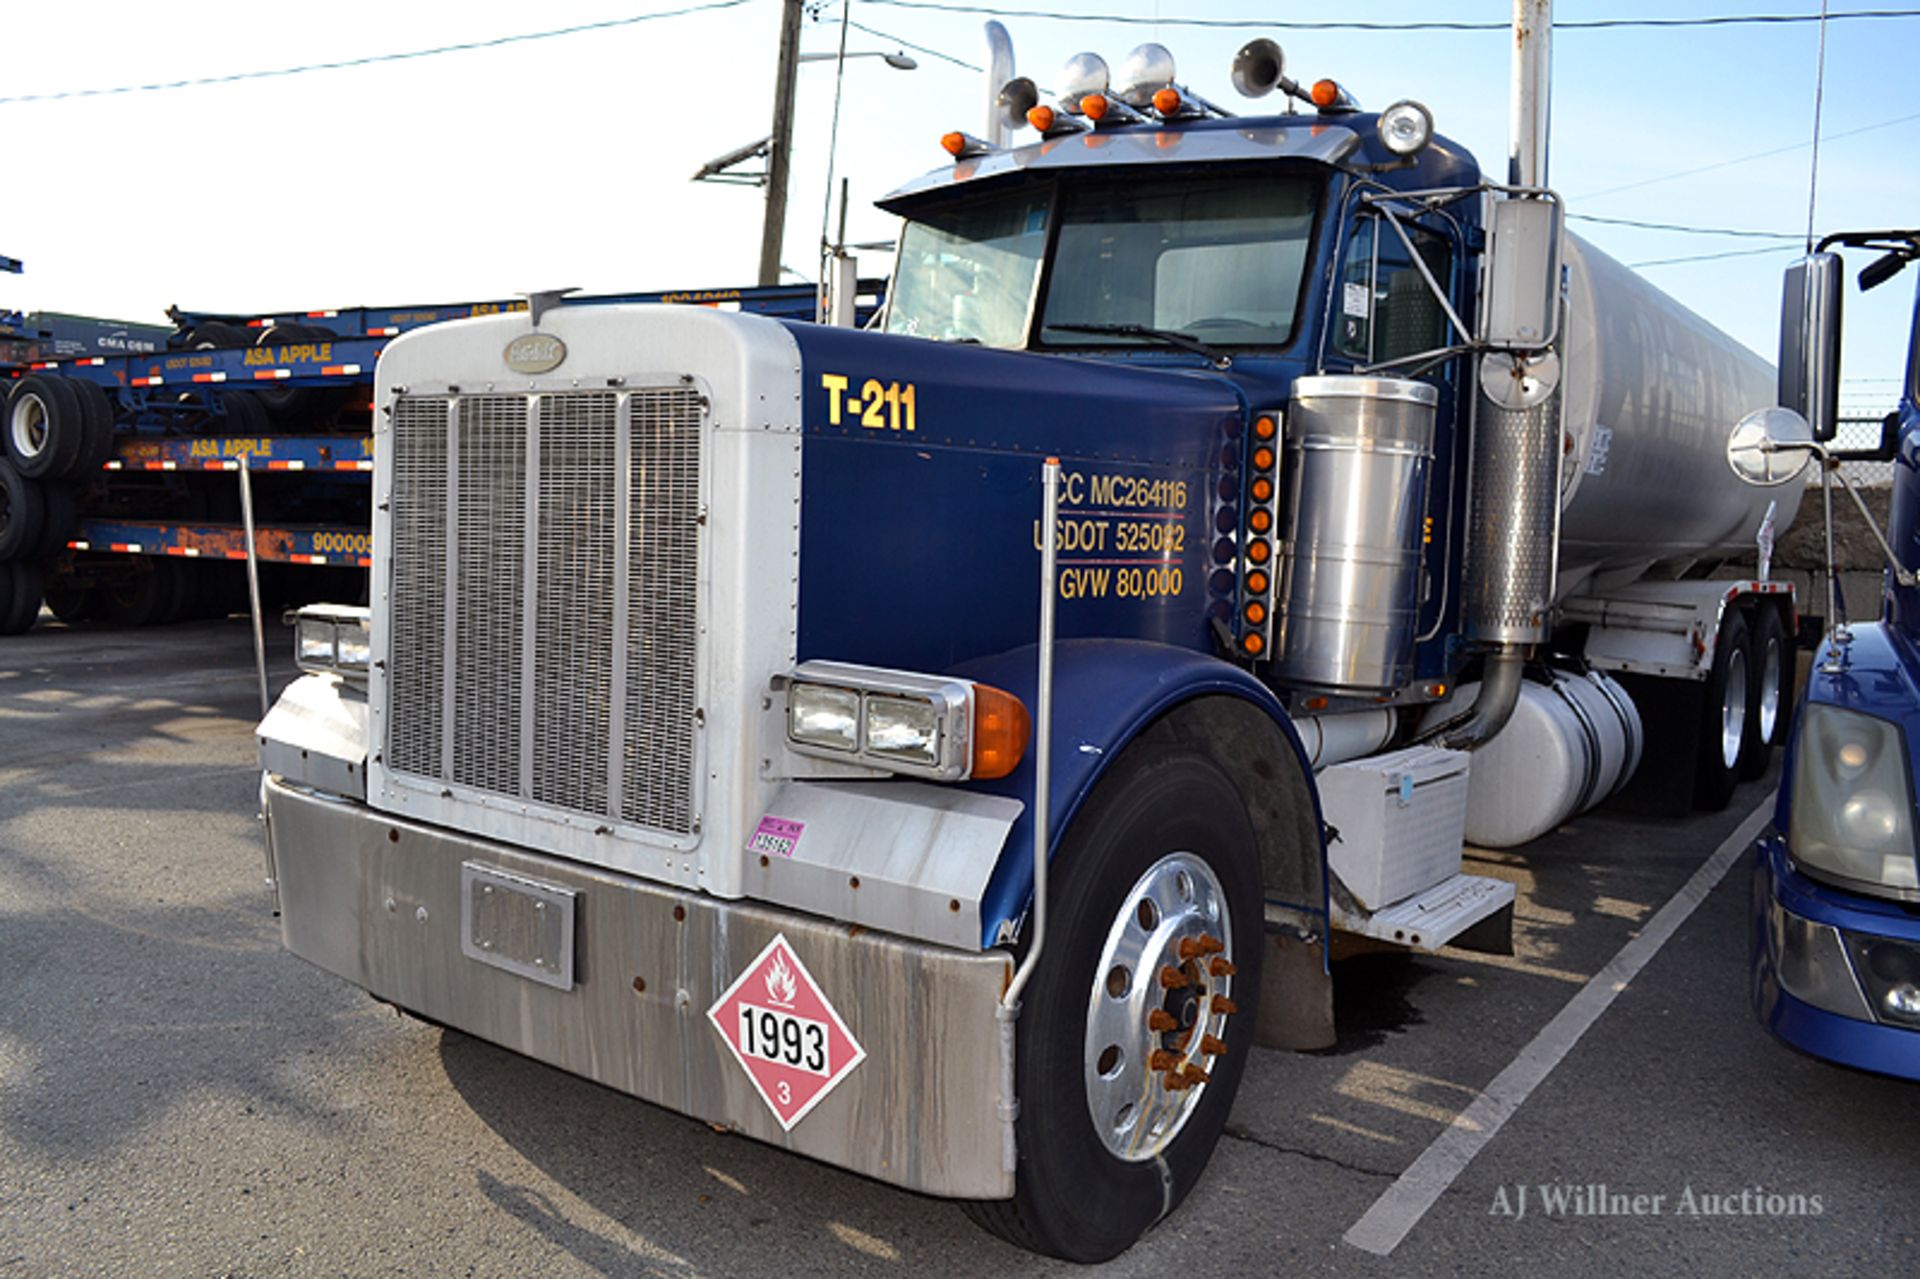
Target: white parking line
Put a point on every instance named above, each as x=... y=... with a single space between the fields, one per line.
x=1398 y=1210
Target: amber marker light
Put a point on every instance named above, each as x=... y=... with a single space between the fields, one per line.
x=1256 y=612
x=1166 y=101
x=1001 y=727
x=1263 y=458
x=955 y=143
x=1325 y=93
x=1253 y=644
x=1094 y=106
x=1262 y=489
x=1257 y=582
x=1040 y=117
x=1260 y=521
x=1258 y=552
x=1263 y=427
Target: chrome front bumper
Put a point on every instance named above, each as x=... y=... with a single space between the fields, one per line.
x=378 y=902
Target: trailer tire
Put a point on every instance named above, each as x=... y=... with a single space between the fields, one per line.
x=245 y=414
x=96 y=407
x=58 y=520
x=216 y=335
x=1166 y=826
x=26 y=583
x=139 y=596
x=23 y=513
x=46 y=426
x=1724 y=712
x=308 y=405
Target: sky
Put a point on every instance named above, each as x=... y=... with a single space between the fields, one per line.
x=565 y=161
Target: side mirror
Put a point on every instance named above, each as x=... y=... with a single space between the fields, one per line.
x=1810 y=342
x=1521 y=307
x=1768 y=447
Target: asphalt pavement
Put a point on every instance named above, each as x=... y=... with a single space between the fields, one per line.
x=178 y=1096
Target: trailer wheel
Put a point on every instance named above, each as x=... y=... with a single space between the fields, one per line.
x=69 y=601
x=306 y=404
x=217 y=335
x=1130 y=1047
x=138 y=596
x=46 y=427
x=1770 y=701
x=1724 y=713
x=26 y=583
x=22 y=513
x=245 y=414
x=61 y=515
x=97 y=408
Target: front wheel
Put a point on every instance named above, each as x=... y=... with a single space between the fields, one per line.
x=1723 y=717
x=1770 y=701
x=1139 y=1018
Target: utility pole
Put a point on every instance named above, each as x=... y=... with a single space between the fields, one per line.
x=778 y=156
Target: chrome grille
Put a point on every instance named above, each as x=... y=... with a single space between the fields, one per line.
x=490 y=518
x=662 y=629
x=568 y=525
x=418 y=586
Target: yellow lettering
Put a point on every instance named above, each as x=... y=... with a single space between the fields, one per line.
x=835 y=384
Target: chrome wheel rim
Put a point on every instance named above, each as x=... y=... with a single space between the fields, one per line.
x=1733 y=709
x=28 y=426
x=1159 y=1003
x=1769 y=708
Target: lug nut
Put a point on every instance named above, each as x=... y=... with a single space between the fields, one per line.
x=1219 y=967
x=1160 y=1021
x=1224 y=1006
x=1171 y=978
x=1211 y=945
x=1175 y=1083
x=1163 y=1060
x=1190 y=948
x=1195 y=1075
x=1212 y=1046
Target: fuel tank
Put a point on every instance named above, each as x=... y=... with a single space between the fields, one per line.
x=1651 y=391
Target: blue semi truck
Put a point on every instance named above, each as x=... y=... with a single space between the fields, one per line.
x=1836 y=940
x=945 y=751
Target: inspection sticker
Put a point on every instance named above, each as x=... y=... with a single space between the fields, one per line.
x=776 y=835
x=785 y=1034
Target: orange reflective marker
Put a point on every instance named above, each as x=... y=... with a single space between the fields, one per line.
x=1167 y=100
x=1263 y=427
x=1040 y=118
x=1262 y=489
x=1094 y=106
x=1261 y=520
x=1001 y=727
x=1258 y=552
x=1263 y=458
x=1257 y=582
x=955 y=143
x=1325 y=93
x=1253 y=644
x=1256 y=612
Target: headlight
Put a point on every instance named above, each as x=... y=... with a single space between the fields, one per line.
x=1405 y=127
x=333 y=639
x=924 y=725
x=1853 y=802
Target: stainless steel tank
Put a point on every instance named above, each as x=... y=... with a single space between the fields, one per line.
x=1650 y=392
x=1358 y=451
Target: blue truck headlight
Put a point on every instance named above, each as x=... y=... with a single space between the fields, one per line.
x=931 y=726
x=333 y=639
x=1853 y=802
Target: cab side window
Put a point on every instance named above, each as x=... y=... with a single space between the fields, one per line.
x=1384 y=310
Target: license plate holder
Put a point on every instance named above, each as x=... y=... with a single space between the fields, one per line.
x=519 y=924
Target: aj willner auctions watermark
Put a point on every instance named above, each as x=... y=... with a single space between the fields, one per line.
x=1559 y=1199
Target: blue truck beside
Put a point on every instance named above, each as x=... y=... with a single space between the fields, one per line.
x=1836 y=901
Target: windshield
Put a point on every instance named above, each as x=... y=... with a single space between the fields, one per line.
x=966 y=273
x=1216 y=259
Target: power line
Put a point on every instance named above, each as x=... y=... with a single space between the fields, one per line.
x=1586 y=24
x=1712 y=257
x=372 y=59
x=917 y=48
x=1757 y=155
x=1689 y=230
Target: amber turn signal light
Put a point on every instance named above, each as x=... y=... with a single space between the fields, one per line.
x=1001 y=727
x=1325 y=93
x=1040 y=117
x=1094 y=106
x=1166 y=101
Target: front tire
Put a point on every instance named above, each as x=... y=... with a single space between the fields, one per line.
x=1157 y=882
x=1770 y=703
x=1724 y=714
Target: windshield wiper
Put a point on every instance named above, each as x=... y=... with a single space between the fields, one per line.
x=1219 y=358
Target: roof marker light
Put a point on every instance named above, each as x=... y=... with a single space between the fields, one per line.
x=1094 y=106
x=1167 y=101
x=1041 y=118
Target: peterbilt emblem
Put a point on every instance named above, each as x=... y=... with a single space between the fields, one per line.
x=535 y=353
